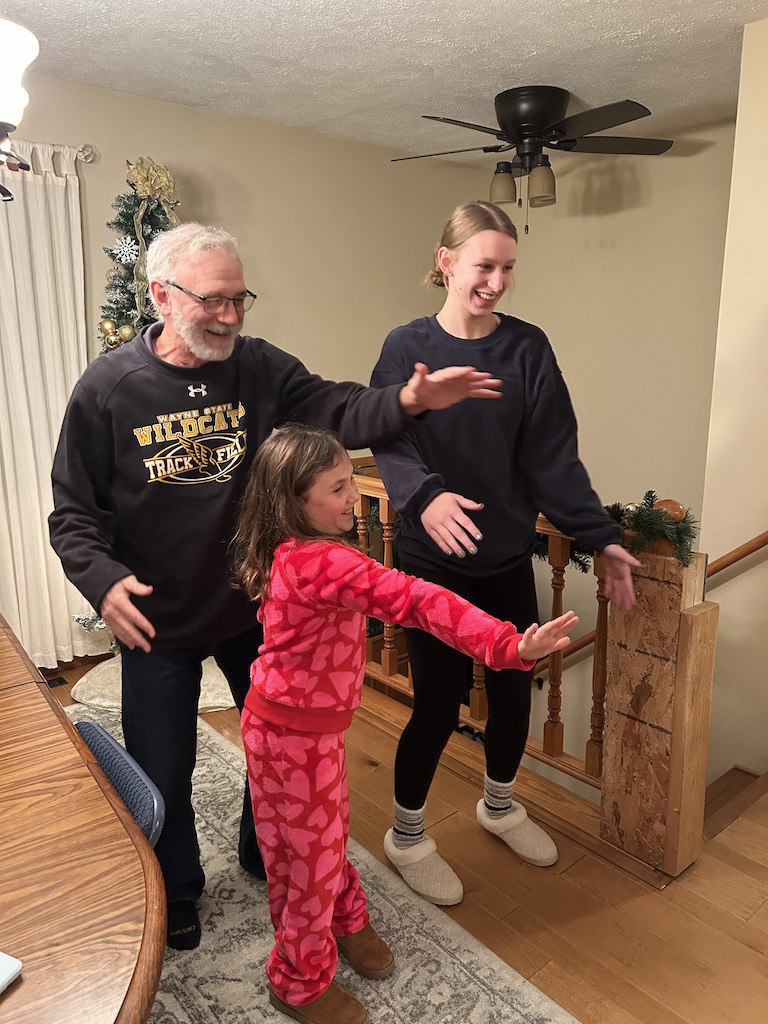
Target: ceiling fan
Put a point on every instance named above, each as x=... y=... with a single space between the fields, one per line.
x=533 y=117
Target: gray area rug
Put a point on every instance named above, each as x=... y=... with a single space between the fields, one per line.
x=444 y=975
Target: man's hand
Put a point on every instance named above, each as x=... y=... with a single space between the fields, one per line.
x=617 y=564
x=449 y=527
x=539 y=641
x=446 y=387
x=124 y=618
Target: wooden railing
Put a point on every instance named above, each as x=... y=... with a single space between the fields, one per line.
x=387 y=658
x=751 y=547
x=684 y=648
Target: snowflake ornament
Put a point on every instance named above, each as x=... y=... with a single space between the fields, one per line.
x=126 y=250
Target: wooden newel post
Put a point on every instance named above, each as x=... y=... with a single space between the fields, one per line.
x=660 y=662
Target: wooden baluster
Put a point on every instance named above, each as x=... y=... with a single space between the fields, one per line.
x=389 y=653
x=362 y=511
x=559 y=550
x=593 y=758
x=478 y=698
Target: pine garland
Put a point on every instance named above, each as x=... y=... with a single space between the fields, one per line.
x=645 y=525
x=648 y=524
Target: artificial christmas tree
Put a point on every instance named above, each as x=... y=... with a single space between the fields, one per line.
x=141 y=213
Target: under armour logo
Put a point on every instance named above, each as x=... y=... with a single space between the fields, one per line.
x=202 y=391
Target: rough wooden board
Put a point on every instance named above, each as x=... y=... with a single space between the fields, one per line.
x=635 y=788
x=690 y=736
x=644 y=690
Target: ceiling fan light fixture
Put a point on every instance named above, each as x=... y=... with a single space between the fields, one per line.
x=503 y=188
x=18 y=48
x=541 y=184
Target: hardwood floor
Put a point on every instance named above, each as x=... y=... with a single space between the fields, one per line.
x=608 y=947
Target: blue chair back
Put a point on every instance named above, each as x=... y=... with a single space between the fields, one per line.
x=137 y=791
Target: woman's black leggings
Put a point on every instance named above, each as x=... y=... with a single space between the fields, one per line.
x=441 y=677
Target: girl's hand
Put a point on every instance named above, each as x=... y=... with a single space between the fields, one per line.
x=539 y=641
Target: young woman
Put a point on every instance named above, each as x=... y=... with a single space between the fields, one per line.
x=316 y=590
x=469 y=486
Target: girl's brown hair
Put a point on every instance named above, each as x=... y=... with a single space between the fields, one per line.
x=466 y=221
x=272 y=509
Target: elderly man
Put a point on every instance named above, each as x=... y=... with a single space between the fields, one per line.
x=153 y=456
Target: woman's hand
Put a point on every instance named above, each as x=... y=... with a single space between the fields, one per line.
x=449 y=527
x=618 y=564
x=539 y=641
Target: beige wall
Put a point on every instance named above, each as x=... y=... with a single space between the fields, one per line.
x=335 y=239
x=736 y=485
x=624 y=275
x=624 y=272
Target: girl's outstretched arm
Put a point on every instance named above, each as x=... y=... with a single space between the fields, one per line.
x=329 y=573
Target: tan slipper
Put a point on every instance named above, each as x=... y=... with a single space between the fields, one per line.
x=422 y=867
x=522 y=836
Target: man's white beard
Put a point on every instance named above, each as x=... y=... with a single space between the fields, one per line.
x=193 y=337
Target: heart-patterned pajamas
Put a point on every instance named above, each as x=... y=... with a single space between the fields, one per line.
x=304 y=688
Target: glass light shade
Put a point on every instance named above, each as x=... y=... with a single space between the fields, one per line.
x=541 y=186
x=18 y=48
x=503 y=188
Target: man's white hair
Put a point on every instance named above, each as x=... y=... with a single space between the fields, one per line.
x=169 y=250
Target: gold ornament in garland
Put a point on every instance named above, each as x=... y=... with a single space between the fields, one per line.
x=151 y=181
x=115 y=336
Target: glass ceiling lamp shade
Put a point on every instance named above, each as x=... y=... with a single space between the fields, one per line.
x=541 y=183
x=18 y=48
x=503 y=188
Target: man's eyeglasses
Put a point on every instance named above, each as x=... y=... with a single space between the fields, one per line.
x=218 y=303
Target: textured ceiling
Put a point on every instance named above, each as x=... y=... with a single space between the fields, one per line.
x=367 y=70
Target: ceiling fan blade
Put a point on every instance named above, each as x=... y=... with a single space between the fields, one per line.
x=475 y=127
x=614 y=144
x=448 y=152
x=599 y=119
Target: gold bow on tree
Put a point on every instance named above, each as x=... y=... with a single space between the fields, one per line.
x=151 y=181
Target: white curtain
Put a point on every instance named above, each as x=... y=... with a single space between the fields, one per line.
x=42 y=354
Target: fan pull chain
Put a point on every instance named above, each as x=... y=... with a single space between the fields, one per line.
x=526 y=205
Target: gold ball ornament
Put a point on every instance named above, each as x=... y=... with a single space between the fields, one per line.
x=112 y=341
x=631 y=507
x=673 y=508
x=108 y=327
x=126 y=332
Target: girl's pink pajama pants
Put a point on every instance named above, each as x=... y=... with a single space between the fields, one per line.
x=298 y=783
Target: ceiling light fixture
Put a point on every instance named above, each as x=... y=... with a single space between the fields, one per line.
x=18 y=48
x=503 y=188
x=541 y=183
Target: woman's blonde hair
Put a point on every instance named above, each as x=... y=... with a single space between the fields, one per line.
x=284 y=468
x=466 y=221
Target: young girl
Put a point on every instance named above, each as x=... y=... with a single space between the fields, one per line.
x=316 y=591
x=469 y=486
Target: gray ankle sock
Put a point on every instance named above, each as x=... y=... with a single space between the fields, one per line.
x=408 y=829
x=497 y=797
